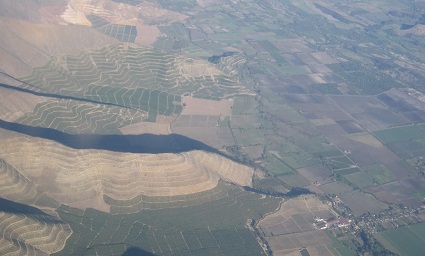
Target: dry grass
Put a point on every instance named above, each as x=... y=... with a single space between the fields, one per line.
x=31 y=234
x=367 y=139
x=117 y=13
x=194 y=106
x=80 y=178
x=27 y=45
x=146 y=127
x=196 y=68
x=14 y=104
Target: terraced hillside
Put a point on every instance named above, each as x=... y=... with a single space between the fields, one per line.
x=216 y=226
x=31 y=234
x=132 y=77
x=14 y=104
x=78 y=117
x=26 y=230
x=82 y=178
x=16 y=187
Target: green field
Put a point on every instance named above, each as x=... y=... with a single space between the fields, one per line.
x=398 y=134
x=274 y=51
x=347 y=171
x=76 y=117
x=339 y=162
x=360 y=179
x=139 y=78
x=277 y=166
x=408 y=240
x=207 y=228
x=378 y=173
x=244 y=105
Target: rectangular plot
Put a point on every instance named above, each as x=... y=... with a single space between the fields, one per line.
x=176 y=242
x=114 y=30
x=120 y=29
x=122 y=232
x=86 y=238
x=125 y=38
x=127 y=29
x=153 y=100
x=148 y=241
x=246 y=235
x=347 y=171
x=335 y=188
x=133 y=31
x=110 y=227
x=144 y=100
x=302 y=222
x=206 y=251
x=398 y=134
x=191 y=240
x=291 y=226
x=360 y=179
x=408 y=149
x=319 y=250
x=205 y=238
x=162 y=103
x=133 y=234
x=134 y=98
x=242 y=249
x=227 y=237
x=419 y=229
x=408 y=242
x=277 y=230
x=170 y=105
x=107 y=29
x=162 y=243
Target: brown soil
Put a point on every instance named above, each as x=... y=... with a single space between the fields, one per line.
x=194 y=106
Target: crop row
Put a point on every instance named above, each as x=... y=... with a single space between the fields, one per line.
x=126 y=72
x=15 y=186
x=143 y=202
x=85 y=174
x=208 y=228
x=31 y=234
x=79 y=117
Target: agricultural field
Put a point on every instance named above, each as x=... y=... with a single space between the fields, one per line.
x=76 y=117
x=183 y=230
x=292 y=228
x=404 y=241
x=211 y=127
x=361 y=203
x=120 y=176
x=130 y=80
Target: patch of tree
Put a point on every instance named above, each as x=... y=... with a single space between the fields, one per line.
x=294 y=192
x=129 y=2
x=216 y=58
x=332 y=13
x=239 y=156
x=371 y=246
x=421 y=21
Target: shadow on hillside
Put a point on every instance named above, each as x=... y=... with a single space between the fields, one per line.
x=143 y=143
x=29 y=211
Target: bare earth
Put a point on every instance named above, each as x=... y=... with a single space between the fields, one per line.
x=196 y=106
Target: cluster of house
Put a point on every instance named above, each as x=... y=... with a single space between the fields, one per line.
x=340 y=222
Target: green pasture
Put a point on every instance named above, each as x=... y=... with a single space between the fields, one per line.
x=409 y=240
